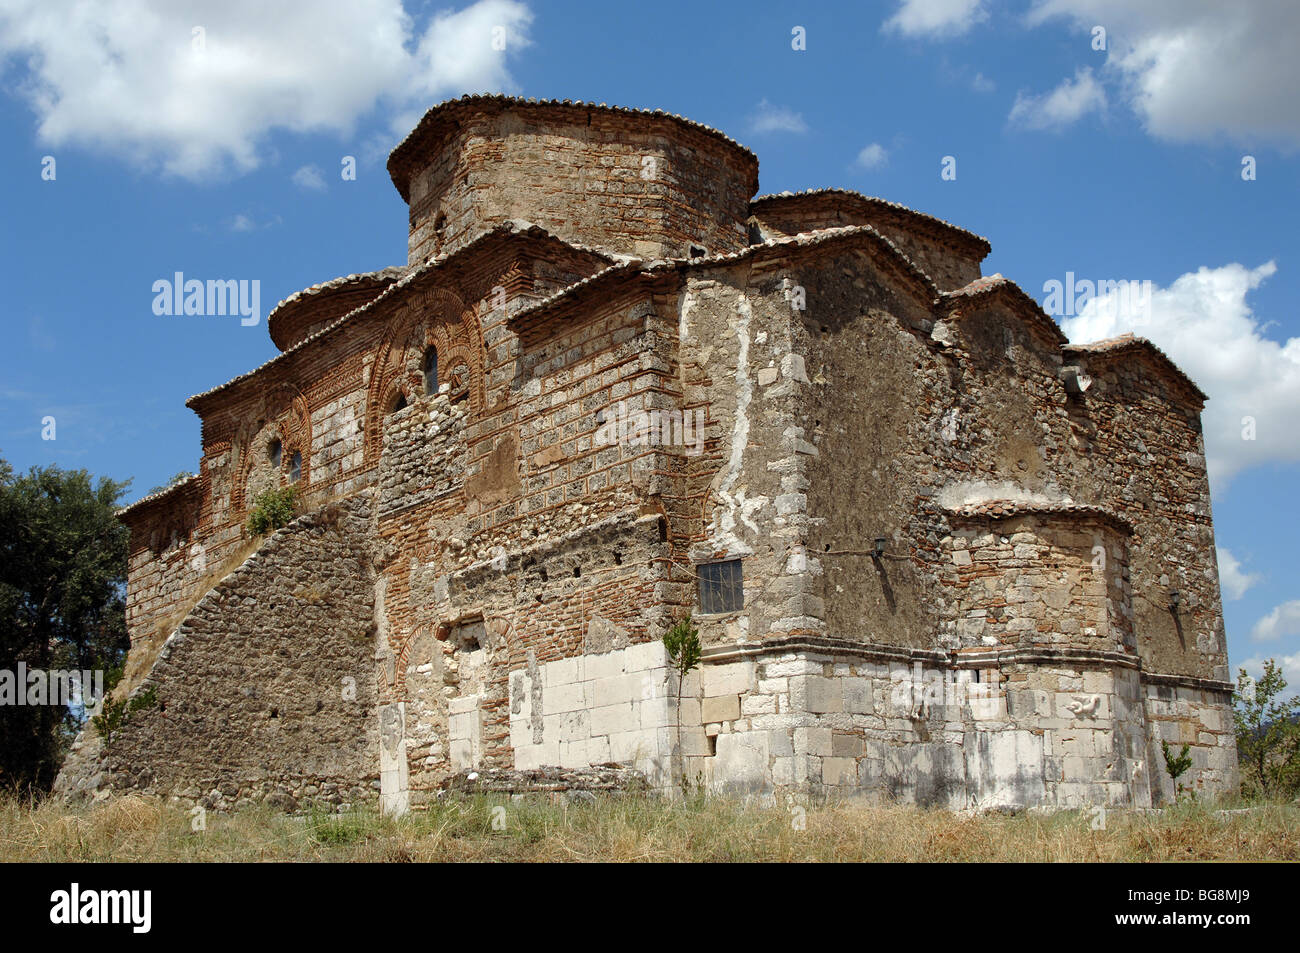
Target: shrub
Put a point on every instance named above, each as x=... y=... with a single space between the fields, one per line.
x=116 y=714
x=272 y=510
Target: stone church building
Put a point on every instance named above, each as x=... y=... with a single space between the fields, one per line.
x=934 y=552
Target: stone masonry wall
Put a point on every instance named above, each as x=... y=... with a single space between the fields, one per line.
x=267 y=691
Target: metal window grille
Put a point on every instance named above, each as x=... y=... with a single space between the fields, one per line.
x=721 y=587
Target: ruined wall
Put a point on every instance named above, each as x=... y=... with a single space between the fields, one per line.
x=635 y=184
x=267 y=691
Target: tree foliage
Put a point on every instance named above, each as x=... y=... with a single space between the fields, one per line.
x=62 y=603
x=1268 y=733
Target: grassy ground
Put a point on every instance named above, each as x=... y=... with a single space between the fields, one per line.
x=640 y=829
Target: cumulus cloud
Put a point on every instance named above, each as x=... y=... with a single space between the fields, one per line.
x=770 y=118
x=1283 y=620
x=936 y=18
x=1233 y=580
x=1205 y=324
x=1289 y=664
x=309 y=177
x=195 y=86
x=872 y=157
x=1197 y=71
x=1064 y=105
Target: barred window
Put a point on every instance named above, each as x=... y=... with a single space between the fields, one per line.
x=721 y=587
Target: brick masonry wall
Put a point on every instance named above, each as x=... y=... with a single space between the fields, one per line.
x=640 y=187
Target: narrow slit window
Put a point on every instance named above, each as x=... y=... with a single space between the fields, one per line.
x=431 y=371
x=275 y=452
x=721 y=587
x=295 y=467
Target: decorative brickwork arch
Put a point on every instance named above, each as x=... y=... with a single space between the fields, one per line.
x=433 y=317
x=285 y=414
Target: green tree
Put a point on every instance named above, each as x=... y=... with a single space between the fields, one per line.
x=1268 y=733
x=62 y=603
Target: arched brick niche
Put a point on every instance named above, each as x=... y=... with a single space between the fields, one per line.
x=431 y=320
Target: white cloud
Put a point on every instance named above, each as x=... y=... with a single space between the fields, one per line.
x=936 y=18
x=1283 y=620
x=244 y=222
x=872 y=157
x=770 y=118
x=1203 y=322
x=1198 y=70
x=1066 y=104
x=309 y=177
x=1289 y=664
x=1233 y=580
x=982 y=84
x=126 y=77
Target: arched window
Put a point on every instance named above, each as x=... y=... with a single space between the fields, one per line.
x=431 y=371
x=399 y=403
x=295 y=467
x=274 y=451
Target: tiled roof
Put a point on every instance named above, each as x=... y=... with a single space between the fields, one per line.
x=398 y=159
x=154 y=497
x=354 y=282
x=392 y=273
x=853 y=196
x=665 y=265
x=510 y=227
x=997 y=285
x=1001 y=509
x=1124 y=342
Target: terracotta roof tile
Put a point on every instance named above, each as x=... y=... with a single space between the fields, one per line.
x=851 y=195
x=1002 y=509
x=154 y=497
x=665 y=265
x=997 y=285
x=1125 y=342
x=511 y=227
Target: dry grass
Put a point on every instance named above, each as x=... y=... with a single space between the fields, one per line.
x=640 y=829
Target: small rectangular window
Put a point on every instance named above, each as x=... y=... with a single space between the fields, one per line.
x=721 y=587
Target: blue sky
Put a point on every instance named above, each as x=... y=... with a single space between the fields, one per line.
x=208 y=137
